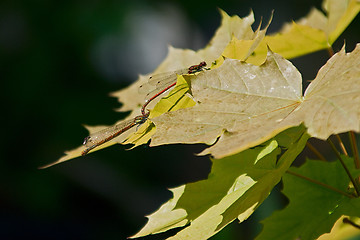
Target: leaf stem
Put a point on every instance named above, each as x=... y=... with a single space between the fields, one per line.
x=344 y=166
x=341 y=145
x=316 y=152
x=354 y=149
x=330 y=51
x=321 y=184
x=355 y=152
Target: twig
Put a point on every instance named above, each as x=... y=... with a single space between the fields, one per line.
x=321 y=184
x=316 y=152
x=344 y=166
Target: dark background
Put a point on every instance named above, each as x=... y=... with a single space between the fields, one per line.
x=59 y=60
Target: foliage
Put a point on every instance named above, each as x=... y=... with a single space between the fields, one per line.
x=235 y=187
x=313 y=209
x=250 y=108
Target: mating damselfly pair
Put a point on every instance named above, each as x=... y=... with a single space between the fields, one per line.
x=158 y=84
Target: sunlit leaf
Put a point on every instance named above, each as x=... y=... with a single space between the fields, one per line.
x=242 y=49
x=245 y=105
x=166 y=217
x=177 y=59
x=242 y=103
x=332 y=100
x=183 y=58
x=297 y=41
x=133 y=132
x=313 y=32
x=342 y=231
x=236 y=186
x=235 y=39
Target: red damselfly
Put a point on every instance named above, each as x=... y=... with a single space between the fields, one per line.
x=164 y=81
x=96 y=139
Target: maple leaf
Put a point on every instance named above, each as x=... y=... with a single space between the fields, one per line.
x=245 y=105
x=309 y=34
x=233 y=26
x=177 y=59
x=313 y=209
x=235 y=39
x=313 y=32
x=236 y=186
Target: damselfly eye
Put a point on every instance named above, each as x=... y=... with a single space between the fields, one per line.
x=86 y=140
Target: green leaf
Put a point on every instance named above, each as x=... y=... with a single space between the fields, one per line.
x=236 y=186
x=313 y=209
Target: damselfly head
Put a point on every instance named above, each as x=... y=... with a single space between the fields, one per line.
x=141 y=119
x=86 y=140
x=197 y=68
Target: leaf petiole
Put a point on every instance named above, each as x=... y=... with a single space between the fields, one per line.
x=344 y=166
x=330 y=51
x=355 y=152
x=341 y=145
x=321 y=184
x=316 y=152
x=354 y=149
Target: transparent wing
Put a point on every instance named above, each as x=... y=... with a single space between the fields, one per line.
x=103 y=135
x=159 y=82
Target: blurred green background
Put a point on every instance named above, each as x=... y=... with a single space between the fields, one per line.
x=59 y=62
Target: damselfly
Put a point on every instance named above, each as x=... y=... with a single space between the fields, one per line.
x=164 y=81
x=105 y=135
